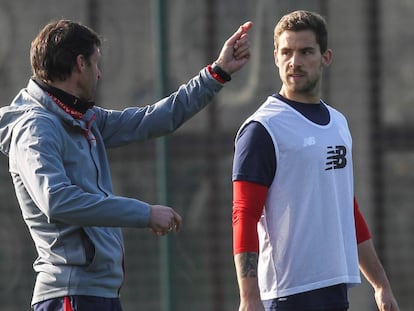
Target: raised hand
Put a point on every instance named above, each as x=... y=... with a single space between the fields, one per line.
x=235 y=52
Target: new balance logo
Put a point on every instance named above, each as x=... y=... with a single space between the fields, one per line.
x=336 y=158
x=309 y=141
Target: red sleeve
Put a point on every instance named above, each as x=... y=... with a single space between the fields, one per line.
x=361 y=227
x=248 y=202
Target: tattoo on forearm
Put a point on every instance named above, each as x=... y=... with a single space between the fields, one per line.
x=248 y=265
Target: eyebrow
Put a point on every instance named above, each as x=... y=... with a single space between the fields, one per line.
x=304 y=49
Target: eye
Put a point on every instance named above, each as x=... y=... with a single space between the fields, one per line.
x=308 y=51
x=284 y=52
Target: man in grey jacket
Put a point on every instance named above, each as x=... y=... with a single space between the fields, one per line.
x=55 y=138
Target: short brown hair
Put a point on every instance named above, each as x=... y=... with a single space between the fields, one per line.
x=303 y=20
x=54 y=51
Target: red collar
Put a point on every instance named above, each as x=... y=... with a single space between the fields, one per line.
x=74 y=113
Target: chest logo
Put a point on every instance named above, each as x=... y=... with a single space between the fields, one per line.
x=336 y=158
x=309 y=141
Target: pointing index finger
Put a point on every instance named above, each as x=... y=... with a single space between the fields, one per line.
x=246 y=26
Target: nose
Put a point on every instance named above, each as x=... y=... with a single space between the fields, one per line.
x=296 y=60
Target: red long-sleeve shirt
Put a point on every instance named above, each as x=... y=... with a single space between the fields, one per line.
x=248 y=203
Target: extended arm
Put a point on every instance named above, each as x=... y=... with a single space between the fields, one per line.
x=168 y=114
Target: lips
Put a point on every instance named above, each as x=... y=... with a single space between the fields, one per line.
x=296 y=74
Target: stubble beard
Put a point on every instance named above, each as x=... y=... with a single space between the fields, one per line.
x=307 y=88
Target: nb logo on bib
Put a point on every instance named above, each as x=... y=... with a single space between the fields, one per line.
x=336 y=158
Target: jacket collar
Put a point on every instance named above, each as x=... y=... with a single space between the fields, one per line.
x=66 y=101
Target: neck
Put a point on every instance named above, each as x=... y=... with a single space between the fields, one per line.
x=64 y=86
x=304 y=97
x=65 y=96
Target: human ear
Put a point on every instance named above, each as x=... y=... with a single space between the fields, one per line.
x=275 y=58
x=327 y=57
x=80 y=62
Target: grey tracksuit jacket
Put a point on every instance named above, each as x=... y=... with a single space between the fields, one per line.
x=61 y=176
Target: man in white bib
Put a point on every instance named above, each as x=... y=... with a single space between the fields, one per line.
x=297 y=228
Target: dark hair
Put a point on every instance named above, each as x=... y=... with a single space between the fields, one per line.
x=54 y=51
x=304 y=20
